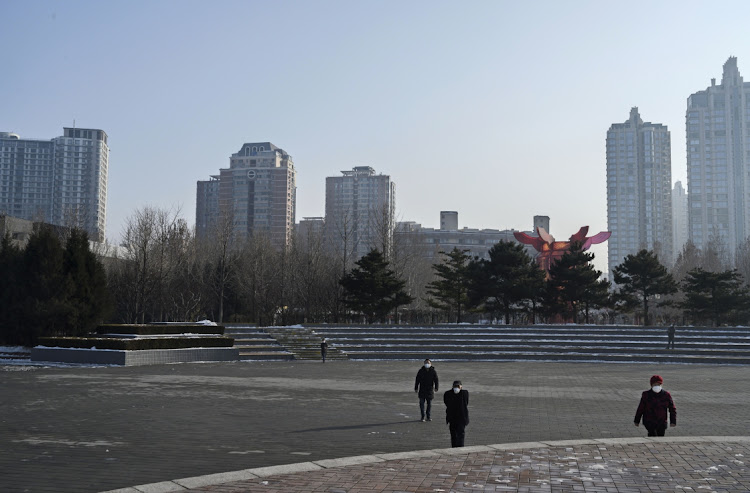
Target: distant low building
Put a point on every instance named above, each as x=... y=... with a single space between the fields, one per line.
x=20 y=230
x=478 y=242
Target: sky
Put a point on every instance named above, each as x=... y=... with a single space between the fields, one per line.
x=496 y=109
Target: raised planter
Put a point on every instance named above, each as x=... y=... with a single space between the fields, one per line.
x=130 y=345
x=132 y=358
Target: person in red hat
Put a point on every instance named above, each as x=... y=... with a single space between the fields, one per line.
x=653 y=409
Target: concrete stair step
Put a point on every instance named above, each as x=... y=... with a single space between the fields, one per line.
x=260 y=356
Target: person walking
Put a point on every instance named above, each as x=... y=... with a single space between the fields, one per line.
x=457 y=413
x=324 y=349
x=425 y=386
x=670 y=336
x=653 y=409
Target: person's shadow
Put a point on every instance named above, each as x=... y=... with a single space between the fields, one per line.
x=351 y=427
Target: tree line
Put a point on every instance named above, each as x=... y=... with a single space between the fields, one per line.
x=161 y=272
x=510 y=284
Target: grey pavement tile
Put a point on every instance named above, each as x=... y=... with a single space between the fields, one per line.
x=284 y=469
x=219 y=478
x=518 y=445
x=119 y=427
x=462 y=450
x=348 y=461
x=415 y=454
x=161 y=487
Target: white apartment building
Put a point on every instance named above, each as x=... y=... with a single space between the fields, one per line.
x=639 y=189
x=679 y=219
x=359 y=212
x=718 y=142
x=257 y=194
x=62 y=181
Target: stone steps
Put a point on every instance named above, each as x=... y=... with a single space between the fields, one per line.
x=20 y=354
x=255 y=344
x=726 y=345
x=304 y=343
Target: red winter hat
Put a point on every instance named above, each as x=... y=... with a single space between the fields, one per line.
x=656 y=379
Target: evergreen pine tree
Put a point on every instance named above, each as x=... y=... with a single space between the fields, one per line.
x=44 y=287
x=504 y=282
x=450 y=292
x=373 y=289
x=574 y=283
x=10 y=300
x=88 y=299
x=715 y=296
x=641 y=277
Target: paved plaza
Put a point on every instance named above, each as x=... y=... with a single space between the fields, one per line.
x=95 y=429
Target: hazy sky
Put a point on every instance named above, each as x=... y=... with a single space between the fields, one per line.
x=496 y=109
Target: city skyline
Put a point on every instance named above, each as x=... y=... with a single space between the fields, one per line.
x=495 y=110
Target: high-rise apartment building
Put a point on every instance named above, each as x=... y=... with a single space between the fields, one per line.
x=62 y=181
x=679 y=219
x=257 y=194
x=359 y=213
x=639 y=189
x=718 y=122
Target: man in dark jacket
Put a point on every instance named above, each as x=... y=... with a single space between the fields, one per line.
x=324 y=349
x=426 y=385
x=653 y=408
x=457 y=413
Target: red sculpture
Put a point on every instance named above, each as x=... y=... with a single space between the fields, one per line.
x=551 y=250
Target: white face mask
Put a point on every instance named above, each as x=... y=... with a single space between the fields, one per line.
x=656 y=388
x=456 y=390
x=427 y=365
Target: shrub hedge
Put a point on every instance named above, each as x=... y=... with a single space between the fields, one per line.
x=136 y=344
x=153 y=329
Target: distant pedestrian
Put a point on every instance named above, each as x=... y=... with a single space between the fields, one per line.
x=324 y=349
x=653 y=408
x=670 y=336
x=425 y=386
x=457 y=413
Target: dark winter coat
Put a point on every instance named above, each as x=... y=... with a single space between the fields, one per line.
x=654 y=406
x=456 y=407
x=427 y=382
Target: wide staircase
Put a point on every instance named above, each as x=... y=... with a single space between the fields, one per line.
x=304 y=342
x=10 y=354
x=256 y=344
x=631 y=344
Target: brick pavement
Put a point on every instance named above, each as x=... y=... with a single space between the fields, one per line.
x=95 y=429
x=710 y=464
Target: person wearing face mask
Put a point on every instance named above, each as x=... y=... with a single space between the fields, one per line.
x=426 y=385
x=653 y=409
x=457 y=413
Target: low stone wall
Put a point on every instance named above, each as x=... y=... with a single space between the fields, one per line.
x=132 y=358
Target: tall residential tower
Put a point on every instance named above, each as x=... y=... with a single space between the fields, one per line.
x=639 y=189
x=257 y=194
x=718 y=122
x=360 y=208
x=62 y=181
x=679 y=219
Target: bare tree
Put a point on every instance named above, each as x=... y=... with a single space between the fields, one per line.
x=256 y=279
x=153 y=246
x=220 y=256
x=313 y=269
x=742 y=260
